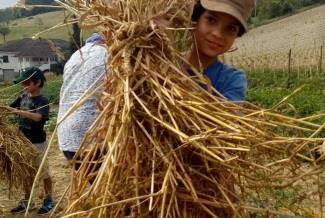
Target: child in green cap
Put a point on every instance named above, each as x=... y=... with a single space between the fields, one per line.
x=32 y=109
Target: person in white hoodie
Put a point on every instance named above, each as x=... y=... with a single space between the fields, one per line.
x=86 y=69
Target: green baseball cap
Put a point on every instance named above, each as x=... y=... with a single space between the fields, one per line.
x=29 y=73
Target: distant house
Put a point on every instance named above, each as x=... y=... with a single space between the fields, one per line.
x=19 y=54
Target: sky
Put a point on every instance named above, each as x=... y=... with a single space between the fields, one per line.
x=7 y=3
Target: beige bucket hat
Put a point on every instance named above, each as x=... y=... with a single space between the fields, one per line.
x=240 y=9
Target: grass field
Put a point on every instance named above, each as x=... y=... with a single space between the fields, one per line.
x=265 y=89
x=268 y=88
x=28 y=27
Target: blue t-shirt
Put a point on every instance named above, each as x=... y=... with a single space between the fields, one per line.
x=229 y=81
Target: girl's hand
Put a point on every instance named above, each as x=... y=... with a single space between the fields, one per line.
x=163 y=24
x=161 y=21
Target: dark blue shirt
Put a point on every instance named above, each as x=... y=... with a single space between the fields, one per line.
x=229 y=81
x=33 y=130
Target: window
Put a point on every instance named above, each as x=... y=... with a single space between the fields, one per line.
x=5 y=59
x=54 y=58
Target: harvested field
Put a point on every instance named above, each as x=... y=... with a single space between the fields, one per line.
x=268 y=46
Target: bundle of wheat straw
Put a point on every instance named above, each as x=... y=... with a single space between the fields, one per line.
x=165 y=147
x=17 y=156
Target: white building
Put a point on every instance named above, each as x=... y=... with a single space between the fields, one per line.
x=19 y=54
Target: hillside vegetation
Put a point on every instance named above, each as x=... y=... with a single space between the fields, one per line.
x=29 y=26
x=269 y=9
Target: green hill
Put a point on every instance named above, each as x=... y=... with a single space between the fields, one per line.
x=29 y=26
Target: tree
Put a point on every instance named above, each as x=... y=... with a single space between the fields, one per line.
x=6 y=15
x=75 y=42
x=267 y=9
x=40 y=24
x=14 y=13
x=39 y=2
x=4 y=31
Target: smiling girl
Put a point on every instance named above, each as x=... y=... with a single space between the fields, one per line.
x=217 y=24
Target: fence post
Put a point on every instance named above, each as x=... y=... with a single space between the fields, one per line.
x=289 y=70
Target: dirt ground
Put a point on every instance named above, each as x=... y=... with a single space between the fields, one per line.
x=60 y=172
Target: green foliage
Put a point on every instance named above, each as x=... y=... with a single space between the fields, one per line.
x=277 y=8
x=14 y=13
x=39 y=2
x=267 y=88
x=310 y=2
x=8 y=93
x=51 y=123
x=269 y=9
x=52 y=88
x=37 y=10
x=75 y=42
x=4 y=31
x=25 y=27
x=7 y=14
x=40 y=24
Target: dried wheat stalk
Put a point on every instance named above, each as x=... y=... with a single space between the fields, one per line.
x=17 y=156
x=163 y=146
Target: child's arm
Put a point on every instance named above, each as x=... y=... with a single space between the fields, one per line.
x=30 y=115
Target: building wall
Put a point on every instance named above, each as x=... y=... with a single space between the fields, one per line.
x=9 y=61
x=10 y=66
x=37 y=61
x=8 y=75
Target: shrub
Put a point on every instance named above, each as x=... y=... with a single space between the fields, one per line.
x=52 y=89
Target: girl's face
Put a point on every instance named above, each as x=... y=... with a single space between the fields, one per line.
x=215 y=33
